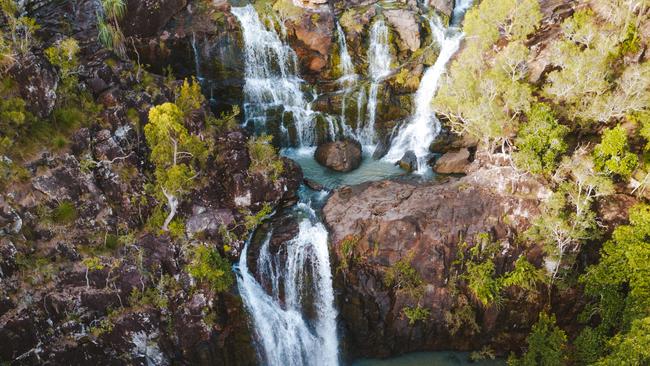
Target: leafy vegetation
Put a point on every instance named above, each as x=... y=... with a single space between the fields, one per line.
x=176 y=154
x=264 y=157
x=108 y=26
x=546 y=345
x=208 y=266
x=416 y=314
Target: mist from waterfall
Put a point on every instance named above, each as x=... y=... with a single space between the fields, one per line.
x=423 y=127
x=284 y=335
x=272 y=85
x=379 y=62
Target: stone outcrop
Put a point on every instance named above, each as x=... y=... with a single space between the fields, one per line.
x=407 y=27
x=453 y=162
x=376 y=226
x=341 y=156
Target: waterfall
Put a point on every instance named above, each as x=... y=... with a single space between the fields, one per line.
x=347 y=67
x=272 y=88
x=379 y=60
x=423 y=127
x=285 y=337
x=197 y=61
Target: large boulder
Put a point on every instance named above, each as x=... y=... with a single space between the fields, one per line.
x=376 y=226
x=341 y=156
x=453 y=162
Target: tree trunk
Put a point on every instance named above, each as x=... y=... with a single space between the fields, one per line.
x=172 y=202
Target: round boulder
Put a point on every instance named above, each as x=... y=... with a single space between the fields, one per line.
x=341 y=156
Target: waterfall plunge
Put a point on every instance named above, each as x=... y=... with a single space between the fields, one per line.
x=424 y=126
x=272 y=81
x=379 y=60
x=285 y=336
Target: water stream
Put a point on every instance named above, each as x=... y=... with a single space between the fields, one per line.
x=379 y=67
x=424 y=126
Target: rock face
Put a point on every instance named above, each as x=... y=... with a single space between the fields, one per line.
x=341 y=156
x=453 y=162
x=376 y=226
x=406 y=25
x=147 y=18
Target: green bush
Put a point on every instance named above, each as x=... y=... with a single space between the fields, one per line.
x=208 y=266
x=612 y=155
x=264 y=157
x=540 y=141
x=546 y=344
x=416 y=314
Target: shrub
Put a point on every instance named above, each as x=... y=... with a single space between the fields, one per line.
x=64 y=213
x=189 y=97
x=209 y=267
x=402 y=275
x=416 y=314
x=264 y=157
x=612 y=155
x=482 y=282
x=546 y=344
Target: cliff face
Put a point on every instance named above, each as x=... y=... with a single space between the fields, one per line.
x=81 y=279
x=426 y=232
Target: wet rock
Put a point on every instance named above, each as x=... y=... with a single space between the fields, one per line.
x=408 y=162
x=383 y=145
x=314 y=185
x=405 y=23
x=453 y=162
x=341 y=156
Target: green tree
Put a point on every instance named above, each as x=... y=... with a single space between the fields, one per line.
x=620 y=288
x=540 y=141
x=612 y=155
x=546 y=345
x=175 y=153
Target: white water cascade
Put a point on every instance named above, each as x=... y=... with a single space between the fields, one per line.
x=285 y=336
x=379 y=62
x=347 y=80
x=272 y=83
x=424 y=126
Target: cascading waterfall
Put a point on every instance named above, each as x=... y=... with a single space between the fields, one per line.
x=424 y=126
x=272 y=84
x=347 y=80
x=379 y=61
x=285 y=336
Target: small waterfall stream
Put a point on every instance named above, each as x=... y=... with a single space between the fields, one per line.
x=424 y=126
x=272 y=85
x=379 y=62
